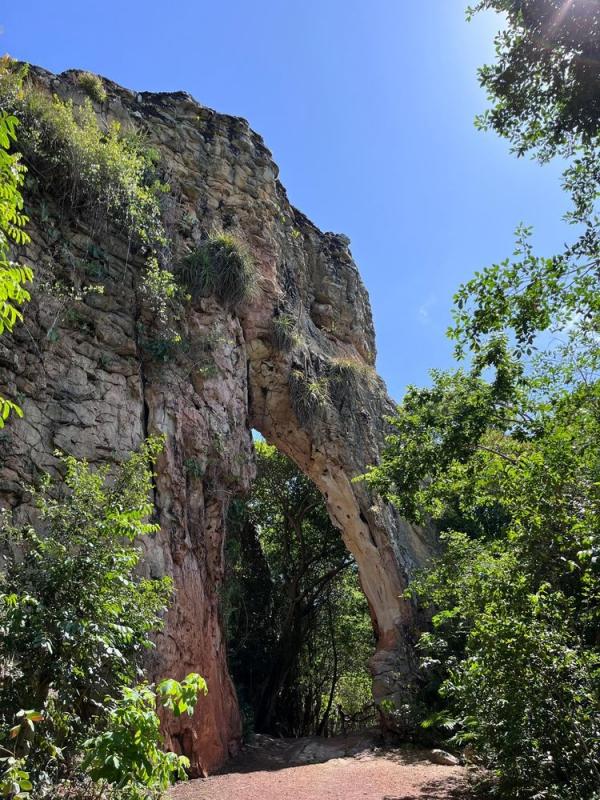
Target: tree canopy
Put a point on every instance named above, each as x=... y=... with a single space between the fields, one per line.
x=502 y=452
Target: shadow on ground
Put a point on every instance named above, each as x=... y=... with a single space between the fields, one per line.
x=267 y=754
x=354 y=767
x=447 y=789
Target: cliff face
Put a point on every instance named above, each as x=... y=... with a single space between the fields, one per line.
x=89 y=387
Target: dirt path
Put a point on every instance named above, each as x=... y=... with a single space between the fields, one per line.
x=352 y=768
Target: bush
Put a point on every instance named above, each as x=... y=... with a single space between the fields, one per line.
x=75 y=616
x=220 y=266
x=128 y=756
x=523 y=691
x=93 y=85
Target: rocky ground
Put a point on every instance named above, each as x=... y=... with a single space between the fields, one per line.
x=343 y=768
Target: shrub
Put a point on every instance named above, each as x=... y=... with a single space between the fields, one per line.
x=524 y=692
x=14 y=780
x=309 y=397
x=75 y=616
x=93 y=85
x=108 y=174
x=128 y=756
x=285 y=334
x=220 y=266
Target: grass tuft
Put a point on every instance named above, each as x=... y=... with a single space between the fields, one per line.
x=310 y=397
x=348 y=377
x=285 y=334
x=220 y=266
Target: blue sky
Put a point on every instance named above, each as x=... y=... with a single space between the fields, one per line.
x=368 y=108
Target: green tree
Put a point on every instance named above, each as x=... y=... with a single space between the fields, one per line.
x=514 y=651
x=75 y=616
x=503 y=453
x=545 y=82
x=545 y=92
x=297 y=620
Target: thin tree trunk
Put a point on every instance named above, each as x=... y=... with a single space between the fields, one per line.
x=335 y=676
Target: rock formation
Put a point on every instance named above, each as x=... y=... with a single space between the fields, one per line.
x=295 y=362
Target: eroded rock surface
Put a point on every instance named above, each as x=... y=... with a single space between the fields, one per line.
x=91 y=385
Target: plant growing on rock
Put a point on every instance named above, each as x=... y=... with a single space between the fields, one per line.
x=93 y=85
x=348 y=377
x=220 y=266
x=161 y=348
x=285 y=334
x=105 y=174
x=309 y=396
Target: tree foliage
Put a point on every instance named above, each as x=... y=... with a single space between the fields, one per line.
x=14 y=277
x=517 y=591
x=503 y=453
x=128 y=758
x=545 y=92
x=545 y=82
x=298 y=625
x=75 y=616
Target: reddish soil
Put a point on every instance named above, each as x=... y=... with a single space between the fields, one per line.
x=332 y=769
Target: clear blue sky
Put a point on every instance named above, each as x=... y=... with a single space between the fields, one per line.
x=368 y=108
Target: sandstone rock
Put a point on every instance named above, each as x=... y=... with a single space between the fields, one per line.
x=443 y=758
x=91 y=390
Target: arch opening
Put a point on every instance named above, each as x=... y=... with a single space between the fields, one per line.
x=331 y=446
x=298 y=626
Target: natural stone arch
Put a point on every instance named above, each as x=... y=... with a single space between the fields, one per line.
x=332 y=449
x=96 y=395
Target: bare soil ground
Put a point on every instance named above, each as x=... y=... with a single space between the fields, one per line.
x=343 y=768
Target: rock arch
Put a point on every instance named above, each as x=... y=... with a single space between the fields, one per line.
x=313 y=392
x=334 y=443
